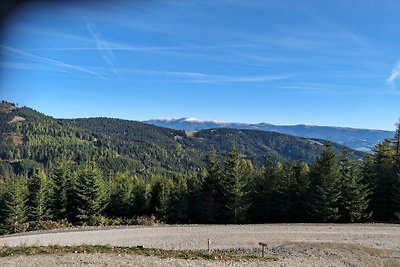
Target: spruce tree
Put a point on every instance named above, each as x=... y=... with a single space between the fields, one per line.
x=91 y=194
x=355 y=194
x=120 y=195
x=211 y=192
x=324 y=195
x=302 y=183
x=264 y=195
x=236 y=175
x=160 y=198
x=396 y=172
x=140 y=198
x=179 y=206
x=60 y=176
x=15 y=200
x=381 y=175
x=39 y=187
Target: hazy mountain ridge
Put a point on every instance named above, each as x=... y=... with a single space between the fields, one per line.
x=119 y=145
x=359 y=139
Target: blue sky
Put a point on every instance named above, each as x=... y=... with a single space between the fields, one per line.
x=282 y=62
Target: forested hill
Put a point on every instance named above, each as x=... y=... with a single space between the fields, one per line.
x=359 y=139
x=29 y=138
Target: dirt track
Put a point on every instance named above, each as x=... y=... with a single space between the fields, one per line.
x=299 y=244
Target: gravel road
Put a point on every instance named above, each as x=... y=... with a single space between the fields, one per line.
x=293 y=244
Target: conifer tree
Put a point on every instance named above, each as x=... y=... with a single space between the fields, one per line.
x=354 y=193
x=160 y=198
x=211 y=192
x=265 y=195
x=140 y=198
x=236 y=174
x=39 y=187
x=380 y=174
x=301 y=172
x=120 y=195
x=90 y=193
x=60 y=176
x=323 y=203
x=71 y=198
x=179 y=206
x=15 y=200
x=396 y=171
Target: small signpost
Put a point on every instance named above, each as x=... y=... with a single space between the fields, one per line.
x=263 y=245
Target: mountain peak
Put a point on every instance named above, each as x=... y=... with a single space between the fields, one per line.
x=359 y=139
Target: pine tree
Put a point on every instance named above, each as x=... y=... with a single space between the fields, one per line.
x=325 y=187
x=39 y=187
x=71 y=198
x=211 y=192
x=60 y=176
x=91 y=194
x=15 y=205
x=396 y=171
x=120 y=196
x=235 y=180
x=160 y=198
x=179 y=206
x=265 y=196
x=302 y=184
x=380 y=174
x=355 y=194
x=140 y=198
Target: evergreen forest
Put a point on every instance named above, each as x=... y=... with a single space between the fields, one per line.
x=103 y=171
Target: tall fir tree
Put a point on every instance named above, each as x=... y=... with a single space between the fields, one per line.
x=15 y=205
x=396 y=171
x=160 y=198
x=380 y=174
x=179 y=205
x=354 y=200
x=91 y=194
x=39 y=208
x=120 y=195
x=140 y=198
x=323 y=202
x=211 y=192
x=236 y=177
x=60 y=177
x=265 y=195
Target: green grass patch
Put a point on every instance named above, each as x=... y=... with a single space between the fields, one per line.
x=179 y=254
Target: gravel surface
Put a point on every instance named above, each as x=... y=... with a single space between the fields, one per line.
x=293 y=244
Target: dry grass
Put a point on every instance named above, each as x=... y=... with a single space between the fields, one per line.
x=86 y=249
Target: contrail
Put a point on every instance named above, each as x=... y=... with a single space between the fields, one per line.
x=50 y=61
x=103 y=48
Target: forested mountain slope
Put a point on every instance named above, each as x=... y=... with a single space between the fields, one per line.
x=359 y=139
x=29 y=137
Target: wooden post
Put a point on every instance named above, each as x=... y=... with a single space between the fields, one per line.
x=263 y=245
x=209 y=245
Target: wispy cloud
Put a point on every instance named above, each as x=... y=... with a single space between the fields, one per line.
x=394 y=76
x=59 y=65
x=103 y=47
x=201 y=77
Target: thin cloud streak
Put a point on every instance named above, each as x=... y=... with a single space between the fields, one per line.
x=61 y=66
x=103 y=48
x=394 y=76
x=199 y=77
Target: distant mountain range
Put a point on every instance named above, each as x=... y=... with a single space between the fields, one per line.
x=29 y=138
x=359 y=139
